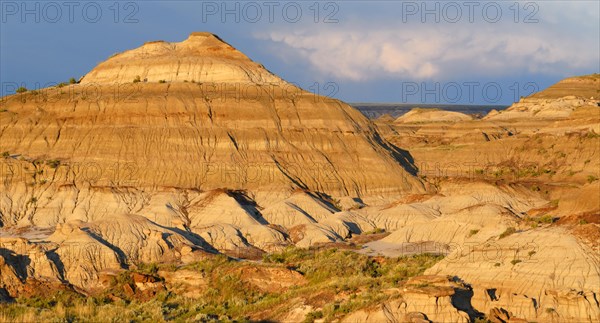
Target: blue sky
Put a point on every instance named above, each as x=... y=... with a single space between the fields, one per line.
x=474 y=52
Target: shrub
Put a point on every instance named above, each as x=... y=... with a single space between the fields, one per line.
x=515 y=261
x=53 y=163
x=72 y=81
x=6 y=154
x=137 y=79
x=162 y=81
x=592 y=134
x=473 y=232
x=546 y=219
x=507 y=232
x=22 y=89
x=151 y=268
x=375 y=231
x=312 y=316
x=228 y=297
x=591 y=179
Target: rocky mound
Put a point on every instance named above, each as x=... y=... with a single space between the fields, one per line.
x=203 y=57
x=134 y=148
x=432 y=115
x=172 y=151
x=137 y=164
x=558 y=101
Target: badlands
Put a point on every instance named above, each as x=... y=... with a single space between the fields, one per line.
x=183 y=181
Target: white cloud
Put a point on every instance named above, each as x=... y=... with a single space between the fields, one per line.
x=439 y=51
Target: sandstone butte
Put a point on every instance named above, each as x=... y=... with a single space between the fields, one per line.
x=173 y=152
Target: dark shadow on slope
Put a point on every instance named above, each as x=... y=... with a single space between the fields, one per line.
x=461 y=300
x=60 y=266
x=123 y=261
x=193 y=238
x=18 y=262
x=402 y=156
x=5 y=296
x=247 y=204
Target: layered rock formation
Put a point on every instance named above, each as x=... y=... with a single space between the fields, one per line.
x=526 y=241
x=203 y=57
x=108 y=145
x=174 y=152
x=556 y=102
x=418 y=115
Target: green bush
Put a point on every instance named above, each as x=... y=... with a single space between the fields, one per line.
x=312 y=316
x=72 y=81
x=137 y=79
x=150 y=269
x=22 y=89
x=229 y=296
x=162 y=81
x=507 y=232
x=53 y=163
x=375 y=231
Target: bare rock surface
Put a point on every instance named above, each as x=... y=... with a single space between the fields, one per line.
x=186 y=150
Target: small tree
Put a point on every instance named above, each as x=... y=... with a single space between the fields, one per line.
x=22 y=89
x=72 y=81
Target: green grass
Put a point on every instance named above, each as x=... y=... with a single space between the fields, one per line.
x=507 y=232
x=53 y=163
x=228 y=297
x=375 y=231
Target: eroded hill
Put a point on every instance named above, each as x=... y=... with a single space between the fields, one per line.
x=173 y=153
